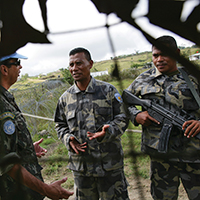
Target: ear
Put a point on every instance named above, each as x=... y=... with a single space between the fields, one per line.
x=3 y=69
x=91 y=64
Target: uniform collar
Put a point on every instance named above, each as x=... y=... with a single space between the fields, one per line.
x=6 y=93
x=156 y=73
x=90 y=88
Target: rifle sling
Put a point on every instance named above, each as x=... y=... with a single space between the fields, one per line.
x=190 y=85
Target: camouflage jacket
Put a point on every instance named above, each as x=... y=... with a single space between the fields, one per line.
x=16 y=146
x=173 y=93
x=78 y=112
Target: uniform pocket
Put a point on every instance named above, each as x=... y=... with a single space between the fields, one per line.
x=76 y=162
x=102 y=115
x=71 y=120
x=149 y=89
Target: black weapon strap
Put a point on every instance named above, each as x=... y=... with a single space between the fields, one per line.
x=190 y=85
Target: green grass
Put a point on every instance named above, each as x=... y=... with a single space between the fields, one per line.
x=136 y=163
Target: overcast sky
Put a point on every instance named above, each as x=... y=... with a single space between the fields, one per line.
x=68 y=15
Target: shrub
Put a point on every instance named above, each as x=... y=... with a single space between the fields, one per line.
x=67 y=76
x=130 y=73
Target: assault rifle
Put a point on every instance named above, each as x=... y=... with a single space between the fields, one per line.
x=166 y=118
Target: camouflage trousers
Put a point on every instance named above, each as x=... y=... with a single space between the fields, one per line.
x=166 y=176
x=112 y=186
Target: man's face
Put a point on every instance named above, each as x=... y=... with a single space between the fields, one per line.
x=13 y=71
x=79 y=67
x=164 y=63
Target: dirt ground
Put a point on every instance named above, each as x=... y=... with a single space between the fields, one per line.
x=138 y=189
x=141 y=190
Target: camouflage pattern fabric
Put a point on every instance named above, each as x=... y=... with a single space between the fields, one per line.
x=113 y=186
x=78 y=112
x=165 y=179
x=170 y=91
x=15 y=142
x=182 y=160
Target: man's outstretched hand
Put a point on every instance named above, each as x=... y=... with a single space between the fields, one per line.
x=55 y=191
x=77 y=147
x=99 y=134
x=38 y=149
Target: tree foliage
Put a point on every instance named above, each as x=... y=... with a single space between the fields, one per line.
x=67 y=76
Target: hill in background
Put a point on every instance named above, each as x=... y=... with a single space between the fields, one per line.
x=124 y=61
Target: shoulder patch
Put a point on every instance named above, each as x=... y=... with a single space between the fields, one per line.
x=118 y=97
x=9 y=127
x=7 y=115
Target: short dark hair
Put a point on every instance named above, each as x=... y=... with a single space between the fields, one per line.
x=81 y=50
x=168 y=41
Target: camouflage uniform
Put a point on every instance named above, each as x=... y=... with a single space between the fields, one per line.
x=170 y=91
x=15 y=145
x=81 y=111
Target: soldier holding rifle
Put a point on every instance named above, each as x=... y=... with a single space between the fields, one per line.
x=165 y=86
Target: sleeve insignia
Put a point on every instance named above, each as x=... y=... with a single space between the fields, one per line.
x=118 y=97
x=7 y=115
x=9 y=127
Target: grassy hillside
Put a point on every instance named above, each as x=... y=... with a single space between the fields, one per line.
x=124 y=61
